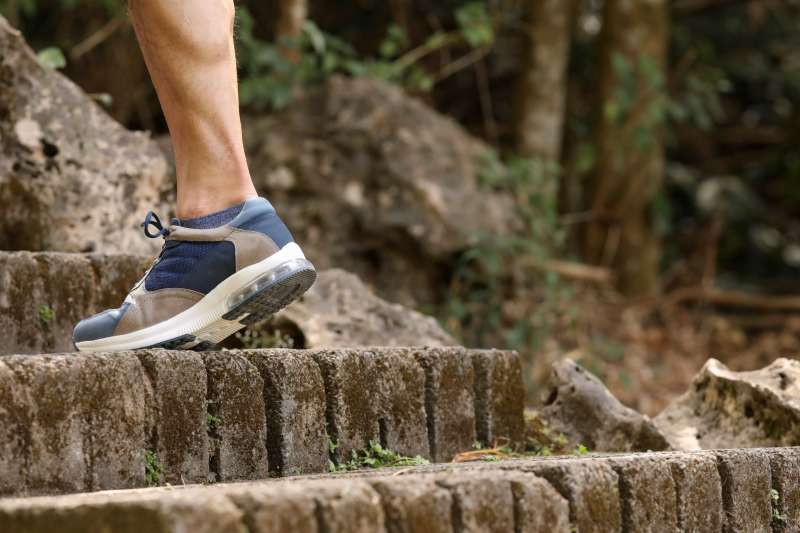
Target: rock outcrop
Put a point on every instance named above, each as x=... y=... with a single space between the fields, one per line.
x=726 y=409
x=340 y=310
x=580 y=407
x=373 y=181
x=71 y=178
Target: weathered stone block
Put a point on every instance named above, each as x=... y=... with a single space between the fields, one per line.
x=159 y=511
x=236 y=418
x=374 y=396
x=647 y=494
x=294 y=398
x=538 y=507
x=80 y=432
x=347 y=506
x=401 y=402
x=590 y=485
x=785 y=471
x=15 y=422
x=482 y=502
x=43 y=295
x=351 y=393
x=698 y=491
x=114 y=420
x=746 y=484
x=500 y=396
x=449 y=401
x=415 y=505
x=275 y=507
x=177 y=415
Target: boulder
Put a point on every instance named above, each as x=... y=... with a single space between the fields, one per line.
x=71 y=178
x=726 y=409
x=581 y=408
x=374 y=181
x=340 y=310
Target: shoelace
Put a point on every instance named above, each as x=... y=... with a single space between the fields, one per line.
x=152 y=220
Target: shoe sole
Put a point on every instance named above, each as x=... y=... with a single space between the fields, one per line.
x=248 y=296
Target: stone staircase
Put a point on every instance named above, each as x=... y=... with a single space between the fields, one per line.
x=755 y=490
x=82 y=435
x=85 y=422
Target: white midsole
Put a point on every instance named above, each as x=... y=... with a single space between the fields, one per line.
x=202 y=314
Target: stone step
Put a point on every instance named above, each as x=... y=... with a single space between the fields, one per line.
x=86 y=422
x=756 y=490
x=43 y=295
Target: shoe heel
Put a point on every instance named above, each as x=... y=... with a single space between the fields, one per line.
x=271 y=292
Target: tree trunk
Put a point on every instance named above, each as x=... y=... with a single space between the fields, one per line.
x=629 y=143
x=542 y=90
x=292 y=16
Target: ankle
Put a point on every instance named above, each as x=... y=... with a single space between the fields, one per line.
x=211 y=202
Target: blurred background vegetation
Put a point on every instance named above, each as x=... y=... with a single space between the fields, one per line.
x=650 y=147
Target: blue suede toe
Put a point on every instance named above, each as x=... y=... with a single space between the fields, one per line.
x=99 y=326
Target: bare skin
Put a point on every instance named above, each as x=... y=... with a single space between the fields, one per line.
x=188 y=48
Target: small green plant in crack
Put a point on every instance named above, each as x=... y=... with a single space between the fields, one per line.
x=212 y=423
x=775 y=499
x=375 y=456
x=153 y=471
x=46 y=313
x=580 y=449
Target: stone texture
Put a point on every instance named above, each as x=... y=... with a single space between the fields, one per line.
x=349 y=506
x=698 y=491
x=647 y=494
x=72 y=286
x=785 y=472
x=275 y=508
x=374 y=396
x=579 y=406
x=726 y=409
x=500 y=396
x=177 y=414
x=449 y=401
x=294 y=398
x=79 y=432
x=340 y=310
x=401 y=402
x=746 y=483
x=414 y=505
x=538 y=507
x=15 y=428
x=591 y=487
x=71 y=179
x=193 y=511
x=354 y=169
x=482 y=502
x=237 y=421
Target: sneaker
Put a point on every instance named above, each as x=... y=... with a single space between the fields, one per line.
x=205 y=285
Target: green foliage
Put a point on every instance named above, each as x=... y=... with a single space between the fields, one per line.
x=52 y=57
x=375 y=456
x=581 y=449
x=775 y=499
x=475 y=24
x=503 y=268
x=46 y=313
x=212 y=423
x=153 y=470
x=270 y=72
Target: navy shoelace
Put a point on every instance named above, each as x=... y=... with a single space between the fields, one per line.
x=152 y=220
